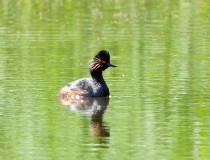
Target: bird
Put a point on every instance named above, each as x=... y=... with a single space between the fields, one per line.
x=90 y=87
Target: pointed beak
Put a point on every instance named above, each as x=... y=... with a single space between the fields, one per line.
x=110 y=65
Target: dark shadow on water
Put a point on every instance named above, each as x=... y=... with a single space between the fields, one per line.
x=95 y=107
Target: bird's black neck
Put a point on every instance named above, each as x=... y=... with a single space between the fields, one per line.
x=97 y=76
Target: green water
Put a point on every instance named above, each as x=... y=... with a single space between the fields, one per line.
x=160 y=91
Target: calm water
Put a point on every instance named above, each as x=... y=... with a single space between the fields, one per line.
x=160 y=91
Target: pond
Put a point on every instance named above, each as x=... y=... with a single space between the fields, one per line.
x=159 y=106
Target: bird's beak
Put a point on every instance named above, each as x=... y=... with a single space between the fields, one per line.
x=110 y=65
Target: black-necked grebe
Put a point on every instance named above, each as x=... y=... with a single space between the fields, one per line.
x=90 y=87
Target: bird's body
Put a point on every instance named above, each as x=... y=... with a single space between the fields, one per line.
x=90 y=87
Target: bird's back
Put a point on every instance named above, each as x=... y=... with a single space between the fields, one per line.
x=85 y=87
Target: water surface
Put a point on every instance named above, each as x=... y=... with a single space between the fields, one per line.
x=160 y=97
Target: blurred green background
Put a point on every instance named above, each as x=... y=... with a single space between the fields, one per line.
x=160 y=96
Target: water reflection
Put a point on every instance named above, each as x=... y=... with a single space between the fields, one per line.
x=95 y=107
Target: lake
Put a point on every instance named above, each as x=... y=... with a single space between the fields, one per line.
x=159 y=106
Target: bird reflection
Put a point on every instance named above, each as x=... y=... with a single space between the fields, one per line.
x=94 y=107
